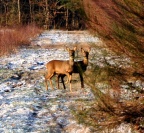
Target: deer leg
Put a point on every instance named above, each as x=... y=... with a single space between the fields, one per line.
x=70 y=78
x=59 y=75
x=51 y=83
x=67 y=80
x=62 y=79
x=48 y=77
x=81 y=79
x=46 y=83
x=58 y=81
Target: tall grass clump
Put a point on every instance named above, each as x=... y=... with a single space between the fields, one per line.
x=106 y=114
x=119 y=23
x=111 y=106
x=13 y=38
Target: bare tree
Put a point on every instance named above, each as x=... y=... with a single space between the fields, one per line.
x=47 y=14
x=19 y=11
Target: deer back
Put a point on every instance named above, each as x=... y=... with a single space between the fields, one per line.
x=59 y=66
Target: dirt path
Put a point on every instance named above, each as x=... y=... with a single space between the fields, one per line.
x=25 y=105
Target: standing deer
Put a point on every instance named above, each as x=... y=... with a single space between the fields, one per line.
x=60 y=67
x=78 y=67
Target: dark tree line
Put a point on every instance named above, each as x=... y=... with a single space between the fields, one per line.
x=50 y=14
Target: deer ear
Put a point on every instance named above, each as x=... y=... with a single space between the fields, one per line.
x=82 y=50
x=89 y=49
x=66 y=48
x=75 y=48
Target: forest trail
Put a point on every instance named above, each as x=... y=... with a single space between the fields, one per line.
x=25 y=105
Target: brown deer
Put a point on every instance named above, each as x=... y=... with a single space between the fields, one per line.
x=60 y=67
x=78 y=67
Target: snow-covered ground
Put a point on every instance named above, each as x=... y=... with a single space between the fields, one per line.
x=65 y=37
x=25 y=105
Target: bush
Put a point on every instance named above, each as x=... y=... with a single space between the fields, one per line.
x=13 y=38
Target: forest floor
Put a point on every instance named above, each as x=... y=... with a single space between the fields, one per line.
x=26 y=106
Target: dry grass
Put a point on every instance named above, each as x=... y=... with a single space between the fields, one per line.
x=13 y=38
x=120 y=24
x=105 y=113
x=109 y=109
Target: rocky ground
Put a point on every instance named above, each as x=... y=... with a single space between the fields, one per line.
x=25 y=105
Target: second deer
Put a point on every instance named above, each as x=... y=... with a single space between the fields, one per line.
x=60 y=67
x=78 y=67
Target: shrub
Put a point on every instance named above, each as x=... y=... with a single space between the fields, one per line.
x=13 y=38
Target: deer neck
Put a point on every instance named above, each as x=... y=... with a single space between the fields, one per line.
x=85 y=60
x=71 y=60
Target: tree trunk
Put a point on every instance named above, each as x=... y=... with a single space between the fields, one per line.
x=19 y=12
x=47 y=16
x=66 y=16
x=30 y=9
x=5 y=9
x=73 y=19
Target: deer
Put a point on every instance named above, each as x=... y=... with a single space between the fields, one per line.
x=60 y=67
x=78 y=67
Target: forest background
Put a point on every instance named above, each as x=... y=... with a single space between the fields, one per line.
x=119 y=23
x=49 y=14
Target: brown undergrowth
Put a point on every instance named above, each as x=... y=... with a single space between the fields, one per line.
x=13 y=38
x=107 y=111
x=120 y=25
x=113 y=106
x=108 y=115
